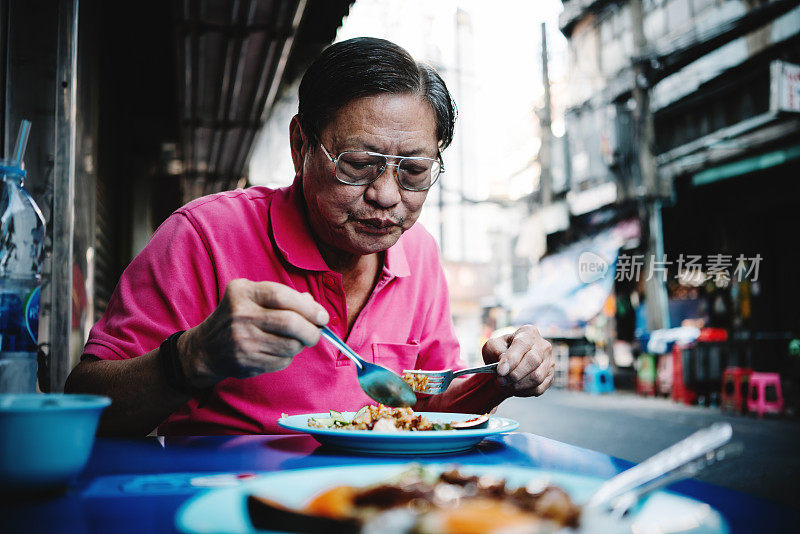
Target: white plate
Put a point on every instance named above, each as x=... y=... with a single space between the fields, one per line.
x=403 y=442
x=225 y=510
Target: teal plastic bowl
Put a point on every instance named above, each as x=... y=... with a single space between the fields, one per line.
x=45 y=439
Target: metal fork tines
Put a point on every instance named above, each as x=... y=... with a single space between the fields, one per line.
x=435 y=382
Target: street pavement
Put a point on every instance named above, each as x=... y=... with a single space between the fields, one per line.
x=633 y=428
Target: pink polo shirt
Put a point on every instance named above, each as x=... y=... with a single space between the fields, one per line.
x=262 y=234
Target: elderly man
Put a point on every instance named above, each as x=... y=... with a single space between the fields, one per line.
x=214 y=327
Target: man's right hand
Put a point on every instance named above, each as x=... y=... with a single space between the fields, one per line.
x=257 y=327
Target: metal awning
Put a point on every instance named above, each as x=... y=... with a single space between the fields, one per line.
x=571 y=286
x=757 y=163
x=234 y=58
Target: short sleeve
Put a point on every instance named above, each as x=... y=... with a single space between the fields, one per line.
x=171 y=285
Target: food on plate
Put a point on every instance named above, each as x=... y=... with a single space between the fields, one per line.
x=420 y=500
x=382 y=418
x=417 y=382
x=379 y=418
x=471 y=423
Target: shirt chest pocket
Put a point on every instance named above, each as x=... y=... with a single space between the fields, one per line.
x=396 y=356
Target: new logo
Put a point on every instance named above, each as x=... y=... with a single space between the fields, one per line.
x=591 y=267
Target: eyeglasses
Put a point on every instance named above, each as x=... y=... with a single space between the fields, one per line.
x=359 y=167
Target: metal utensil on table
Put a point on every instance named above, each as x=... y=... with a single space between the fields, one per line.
x=435 y=382
x=380 y=383
x=682 y=460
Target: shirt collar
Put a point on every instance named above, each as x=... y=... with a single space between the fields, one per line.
x=293 y=235
x=396 y=261
x=290 y=229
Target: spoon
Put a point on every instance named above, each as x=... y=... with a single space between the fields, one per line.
x=681 y=460
x=377 y=381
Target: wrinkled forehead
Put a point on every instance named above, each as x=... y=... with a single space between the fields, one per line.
x=377 y=122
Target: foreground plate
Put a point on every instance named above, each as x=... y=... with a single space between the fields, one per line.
x=408 y=443
x=224 y=510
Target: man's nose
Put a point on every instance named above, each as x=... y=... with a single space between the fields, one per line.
x=385 y=191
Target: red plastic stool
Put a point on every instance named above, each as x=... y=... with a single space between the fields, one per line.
x=765 y=394
x=735 y=388
x=681 y=390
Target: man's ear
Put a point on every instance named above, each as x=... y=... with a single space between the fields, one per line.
x=298 y=142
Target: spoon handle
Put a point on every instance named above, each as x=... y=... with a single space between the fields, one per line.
x=625 y=502
x=672 y=460
x=328 y=334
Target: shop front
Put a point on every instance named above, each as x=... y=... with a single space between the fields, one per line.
x=739 y=230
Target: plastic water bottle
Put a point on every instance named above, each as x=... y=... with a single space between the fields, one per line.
x=22 y=228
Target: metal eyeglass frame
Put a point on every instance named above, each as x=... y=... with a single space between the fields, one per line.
x=399 y=159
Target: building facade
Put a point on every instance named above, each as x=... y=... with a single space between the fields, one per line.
x=688 y=111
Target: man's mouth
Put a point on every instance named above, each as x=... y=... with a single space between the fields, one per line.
x=378 y=223
x=377 y=226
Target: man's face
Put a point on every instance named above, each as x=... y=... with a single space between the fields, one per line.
x=368 y=218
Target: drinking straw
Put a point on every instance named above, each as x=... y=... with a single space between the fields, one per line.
x=22 y=143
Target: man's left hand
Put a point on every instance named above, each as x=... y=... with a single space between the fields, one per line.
x=526 y=361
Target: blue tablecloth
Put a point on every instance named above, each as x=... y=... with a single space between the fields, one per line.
x=137 y=485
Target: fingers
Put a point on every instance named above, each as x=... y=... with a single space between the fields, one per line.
x=257 y=327
x=277 y=309
x=495 y=347
x=275 y=336
x=541 y=388
x=289 y=324
x=249 y=346
x=519 y=357
x=274 y=296
x=526 y=366
x=262 y=351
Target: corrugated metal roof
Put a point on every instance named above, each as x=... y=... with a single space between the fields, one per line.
x=234 y=56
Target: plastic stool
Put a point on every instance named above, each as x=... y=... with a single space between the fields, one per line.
x=735 y=388
x=646 y=375
x=597 y=379
x=682 y=389
x=765 y=394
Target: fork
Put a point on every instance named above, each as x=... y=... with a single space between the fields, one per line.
x=435 y=382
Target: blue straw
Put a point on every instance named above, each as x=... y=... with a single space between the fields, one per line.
x=22 y=143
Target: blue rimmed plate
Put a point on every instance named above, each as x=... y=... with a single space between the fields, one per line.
x=225 y=509
x=402 y=442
